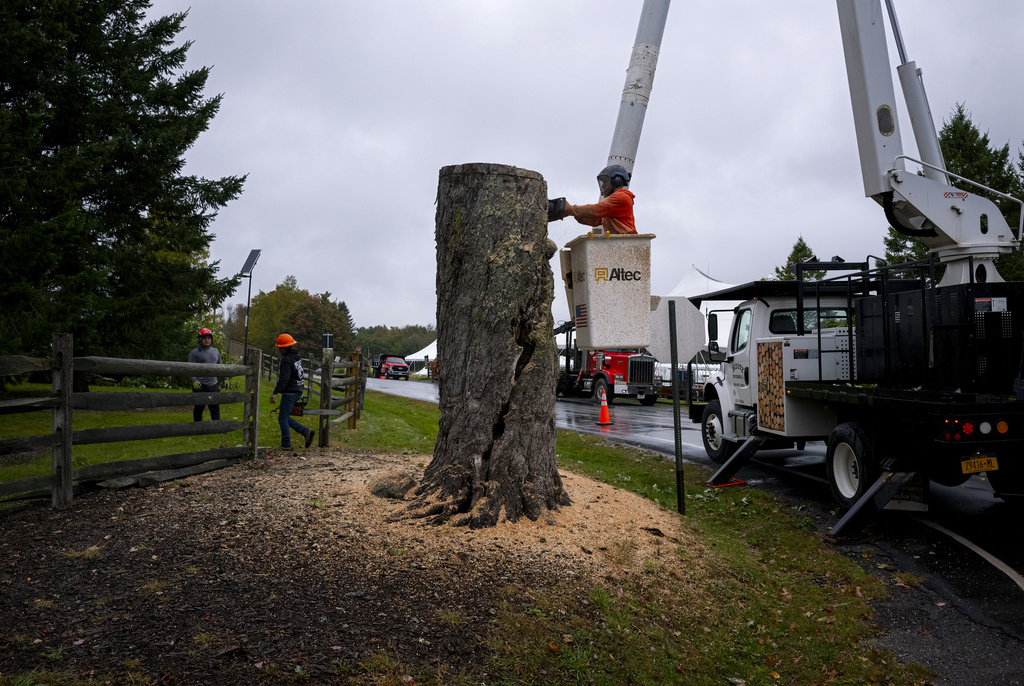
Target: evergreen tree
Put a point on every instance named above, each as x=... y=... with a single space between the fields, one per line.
x=102 y=234
x=346 y=316
x=801 y=252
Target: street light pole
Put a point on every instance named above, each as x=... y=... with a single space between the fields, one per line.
x=246 y=272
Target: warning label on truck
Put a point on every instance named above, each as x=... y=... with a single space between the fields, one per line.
x=990 y=304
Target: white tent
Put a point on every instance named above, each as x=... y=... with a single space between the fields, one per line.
x=416 y=358
x=696 y=282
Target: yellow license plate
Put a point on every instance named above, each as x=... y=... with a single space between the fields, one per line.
x=979 y=463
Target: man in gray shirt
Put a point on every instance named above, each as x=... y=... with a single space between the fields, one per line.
x=205 y=353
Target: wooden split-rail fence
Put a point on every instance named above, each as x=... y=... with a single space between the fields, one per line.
x=62 y=403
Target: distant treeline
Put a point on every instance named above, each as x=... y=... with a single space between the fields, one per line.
x=398 y=340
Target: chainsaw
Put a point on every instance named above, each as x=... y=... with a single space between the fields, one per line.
x=299 y=410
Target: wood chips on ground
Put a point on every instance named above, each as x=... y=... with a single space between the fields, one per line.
x=288 y=562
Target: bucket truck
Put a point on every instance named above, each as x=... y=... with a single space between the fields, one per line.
x=908 y=380
x=608 y=277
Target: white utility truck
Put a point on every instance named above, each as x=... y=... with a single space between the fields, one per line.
x=909 y=374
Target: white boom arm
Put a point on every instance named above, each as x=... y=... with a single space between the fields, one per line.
x=952 y=222
x=639 y=80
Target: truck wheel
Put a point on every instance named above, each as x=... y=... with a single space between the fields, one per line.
x=648 y=400
x=602 y=385
x=711 y=427
x=849 y=463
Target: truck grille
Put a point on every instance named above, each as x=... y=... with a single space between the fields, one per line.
x=641 y=369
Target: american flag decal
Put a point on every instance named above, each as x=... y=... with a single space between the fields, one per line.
x=581 y=316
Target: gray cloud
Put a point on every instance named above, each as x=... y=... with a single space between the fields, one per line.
x=343 y=112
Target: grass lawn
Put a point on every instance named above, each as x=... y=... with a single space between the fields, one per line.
x=38 y=423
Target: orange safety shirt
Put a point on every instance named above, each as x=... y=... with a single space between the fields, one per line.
x=614 y=213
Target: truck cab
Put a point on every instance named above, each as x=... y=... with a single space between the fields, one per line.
x=617 y=372
x=771 y=312
x=392 y=367
x=905 y=382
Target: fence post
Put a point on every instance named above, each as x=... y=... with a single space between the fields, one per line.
x=326 y=394
x=354 y=389
x=63 y=370
x=360 y=380
x=250 y=434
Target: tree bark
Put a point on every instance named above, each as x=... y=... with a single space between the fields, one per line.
x=497 y=361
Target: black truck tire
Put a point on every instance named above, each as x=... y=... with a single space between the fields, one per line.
x=648 y=400
x=602 y=385
x=711 y=427
x=850 y=463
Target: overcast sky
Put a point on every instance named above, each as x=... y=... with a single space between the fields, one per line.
x=342 y=113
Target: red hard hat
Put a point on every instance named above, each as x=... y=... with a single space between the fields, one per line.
x=205 y=332
x=285 y=341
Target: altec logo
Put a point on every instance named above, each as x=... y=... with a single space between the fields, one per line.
x=953 y=195
x=616 y=274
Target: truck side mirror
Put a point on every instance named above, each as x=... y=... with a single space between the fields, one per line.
x=713 y=327
x=715 y=353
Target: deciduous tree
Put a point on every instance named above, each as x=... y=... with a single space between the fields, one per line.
x=294 y=310
x=397 y=340
x=317 y=315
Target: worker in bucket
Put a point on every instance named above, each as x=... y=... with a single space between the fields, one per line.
x=614 y=211
x=205 y=353
x=289 y=385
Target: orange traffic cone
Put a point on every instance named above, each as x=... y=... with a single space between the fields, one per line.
x=604 y=420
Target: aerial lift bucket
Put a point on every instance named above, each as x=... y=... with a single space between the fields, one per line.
x=608 y=286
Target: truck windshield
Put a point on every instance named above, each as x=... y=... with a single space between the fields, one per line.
x=784 y=321
x=395 y=360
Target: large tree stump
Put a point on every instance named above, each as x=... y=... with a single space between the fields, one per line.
x=497 y=361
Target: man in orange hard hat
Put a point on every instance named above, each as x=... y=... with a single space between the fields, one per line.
x=290 y=386
x=614 y=212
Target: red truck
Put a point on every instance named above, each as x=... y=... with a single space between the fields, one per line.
x=619 y=372
x=392 y=367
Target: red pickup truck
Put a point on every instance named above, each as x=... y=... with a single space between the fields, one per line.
x=392 y=367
